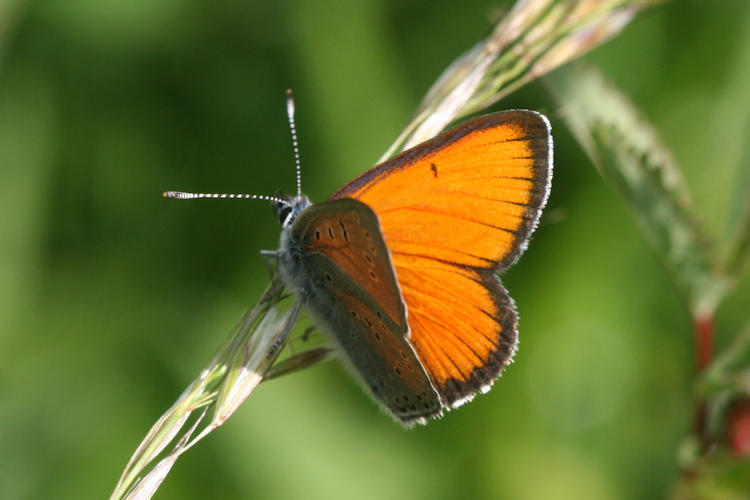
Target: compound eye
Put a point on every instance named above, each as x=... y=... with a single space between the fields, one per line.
x=283 y=214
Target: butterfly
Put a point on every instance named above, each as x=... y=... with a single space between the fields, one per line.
x=400 y=266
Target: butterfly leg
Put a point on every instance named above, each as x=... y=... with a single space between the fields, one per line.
x=270 y=259
x=302 y=338
x=306 y=334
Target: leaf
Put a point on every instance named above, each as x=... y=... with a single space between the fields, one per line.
x=723 y=478
x=738 y=249
x=628 y=153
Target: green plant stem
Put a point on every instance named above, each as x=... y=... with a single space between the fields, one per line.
x=704 y=340
x=703 y=326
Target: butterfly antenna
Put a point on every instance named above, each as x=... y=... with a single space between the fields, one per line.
x=290 y=114
x=188 y=196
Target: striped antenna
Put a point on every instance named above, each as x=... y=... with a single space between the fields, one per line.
x=290 y=114
x=188 y=196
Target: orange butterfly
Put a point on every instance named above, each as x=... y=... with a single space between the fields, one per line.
x=400 y=265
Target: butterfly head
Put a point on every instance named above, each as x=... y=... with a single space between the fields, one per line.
x=287 y=208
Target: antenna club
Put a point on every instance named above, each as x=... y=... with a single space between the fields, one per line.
x=177 y=195
x=290 y=104
x=293 y=129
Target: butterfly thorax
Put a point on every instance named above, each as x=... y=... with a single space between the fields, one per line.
x=290 y=251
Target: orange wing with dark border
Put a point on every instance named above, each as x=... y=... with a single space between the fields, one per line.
x=454 y=211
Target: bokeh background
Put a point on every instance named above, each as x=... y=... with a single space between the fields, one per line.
x=112 y=298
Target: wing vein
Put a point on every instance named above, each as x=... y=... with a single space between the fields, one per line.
x=436 y=284
x=446 y=214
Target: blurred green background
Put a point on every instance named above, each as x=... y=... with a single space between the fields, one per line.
x=112 y=298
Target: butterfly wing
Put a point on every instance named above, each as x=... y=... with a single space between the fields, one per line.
x=338 y=260
x=453 y=212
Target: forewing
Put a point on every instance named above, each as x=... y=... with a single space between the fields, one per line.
x=353 y=290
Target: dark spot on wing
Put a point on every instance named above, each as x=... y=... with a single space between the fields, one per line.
x=343 y=228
